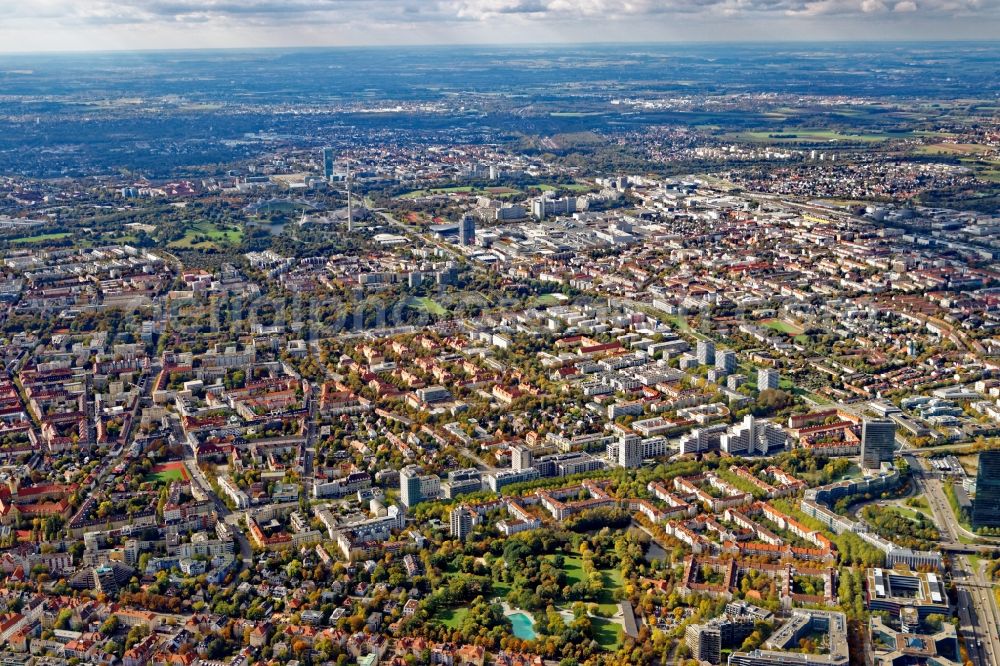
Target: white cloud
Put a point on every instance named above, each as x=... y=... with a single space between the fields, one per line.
x=30 y=24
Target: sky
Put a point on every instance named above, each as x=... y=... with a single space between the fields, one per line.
x=99 y=25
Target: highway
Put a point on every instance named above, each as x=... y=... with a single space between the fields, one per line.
x=978 y=616
x=977 y=611
x=930 y=486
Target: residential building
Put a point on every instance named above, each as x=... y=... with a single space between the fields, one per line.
x=753 y=437
x=415 y=488
x=726 y=361
x=462 y=521
x=705 y=351
x=767 y=379
x=705 y=642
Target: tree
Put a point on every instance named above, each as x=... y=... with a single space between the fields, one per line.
x=110 y=625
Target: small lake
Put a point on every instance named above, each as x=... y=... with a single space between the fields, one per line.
x=523 y=627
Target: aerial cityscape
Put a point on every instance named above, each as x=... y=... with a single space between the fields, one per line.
x=589 y=354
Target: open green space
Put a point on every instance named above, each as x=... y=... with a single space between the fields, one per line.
x=41 y=238
x=452 y=617
x=548 y=299
x=782 y=326
x=607 y=600
x=805 y=135
x=606 y=633
x=912 y=514
x=815 y=397
x=459 y=189
x=572 y=567
x=166 y=476
x=571 y=187
x=427 y=304
x=205 y=234
x=951 y=149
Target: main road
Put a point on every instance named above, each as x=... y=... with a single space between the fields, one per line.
x=198 y=477
x=977 y=608
x=977 y=611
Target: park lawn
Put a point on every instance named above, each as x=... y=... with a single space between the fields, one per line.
x=41 y=238
x=679 y=322
x=452 y=617
x=607 y=600
x=428 y=305
x=548 y=299
x=606 y=633
x=501 y=590
x=854 y=471
x=572 y=567
x=215 y=236
x=458 y=189
x=912 y=514
x=782 y=326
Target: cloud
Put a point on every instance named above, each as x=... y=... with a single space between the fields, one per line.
x=68 y=12
x=618 y=10
x=131 y=24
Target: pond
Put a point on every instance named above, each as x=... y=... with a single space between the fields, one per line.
x=523 y=626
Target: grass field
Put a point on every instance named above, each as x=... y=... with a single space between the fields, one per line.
x=607 y=601
x=951 y=149
x=452 y=617
x=573 y=568
x=794 y=135
x=427 y=304
x=679 y=322
x=548 y=299
x=782 y=326
x=416 y=194
x=912 y=514
x=815 y=397
x=606 y=633
x=41 y=238
x=167 y=474
x=205 y=235
x=572 y=187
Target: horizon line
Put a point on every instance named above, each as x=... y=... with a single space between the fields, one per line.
x=888 y=42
